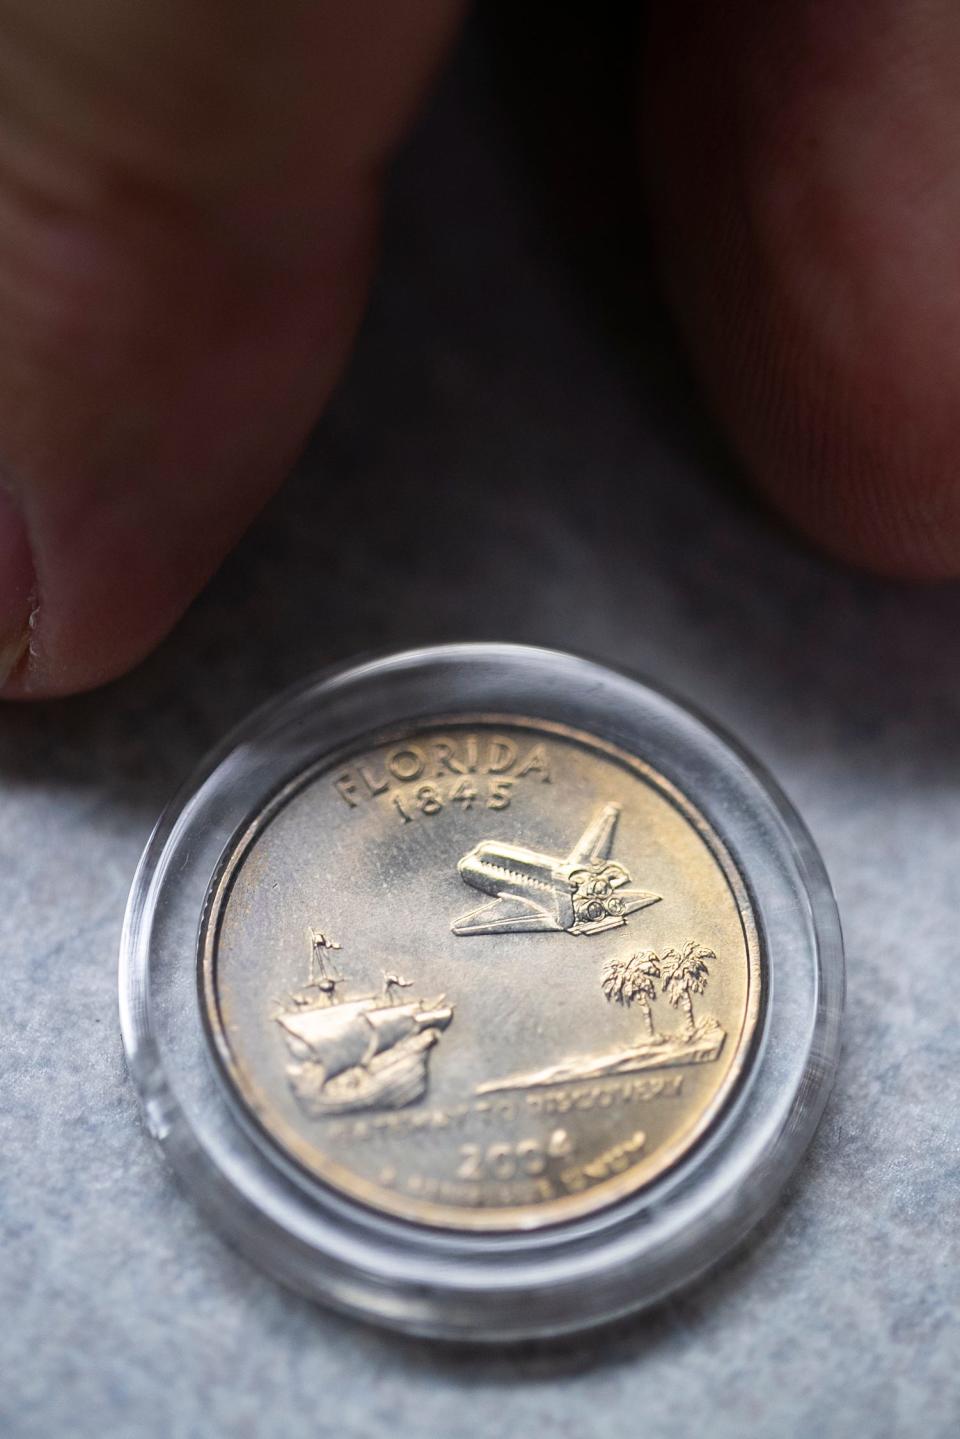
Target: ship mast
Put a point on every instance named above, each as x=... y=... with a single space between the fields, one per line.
x=322 y=977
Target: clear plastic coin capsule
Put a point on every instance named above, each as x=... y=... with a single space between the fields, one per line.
x=481 y=991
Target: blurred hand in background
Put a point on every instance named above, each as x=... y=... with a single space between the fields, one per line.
x=189 y=197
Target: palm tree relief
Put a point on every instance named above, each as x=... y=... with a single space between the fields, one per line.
x=631 y=980
x=685 y=974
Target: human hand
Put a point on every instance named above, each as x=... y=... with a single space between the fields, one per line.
x=188 y=212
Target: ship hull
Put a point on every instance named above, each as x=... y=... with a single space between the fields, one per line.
x=361 y=1054
x=390 y=1080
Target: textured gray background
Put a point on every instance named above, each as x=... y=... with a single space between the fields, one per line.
x=514 y=453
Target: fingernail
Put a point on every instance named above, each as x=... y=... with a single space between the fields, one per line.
x=17 y=587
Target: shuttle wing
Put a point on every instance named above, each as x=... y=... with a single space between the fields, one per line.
x=634 y=899
x=510 y=915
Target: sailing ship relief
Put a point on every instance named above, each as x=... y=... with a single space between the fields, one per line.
x=367 y=1052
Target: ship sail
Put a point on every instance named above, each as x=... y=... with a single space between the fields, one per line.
x=345 y=1035
x=393 y=1023
x=337 y=1037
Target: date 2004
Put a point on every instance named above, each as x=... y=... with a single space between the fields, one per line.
x=508 y=1161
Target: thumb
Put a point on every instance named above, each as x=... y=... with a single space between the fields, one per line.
x=188 y=208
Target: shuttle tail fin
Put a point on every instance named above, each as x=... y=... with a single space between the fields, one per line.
x=597 y=838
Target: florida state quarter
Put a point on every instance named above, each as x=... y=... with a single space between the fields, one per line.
x=483 y=991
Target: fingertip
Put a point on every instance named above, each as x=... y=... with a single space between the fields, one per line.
x=17 y=593
x=188 y=219
x=801 y=186
x=882 y=518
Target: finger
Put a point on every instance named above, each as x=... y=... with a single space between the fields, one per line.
x=804 y=162
x=188 y=206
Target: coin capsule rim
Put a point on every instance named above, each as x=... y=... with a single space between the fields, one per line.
x=455 y=1283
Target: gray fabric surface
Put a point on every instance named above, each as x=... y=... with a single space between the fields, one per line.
x=501 y=462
